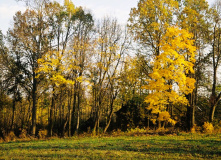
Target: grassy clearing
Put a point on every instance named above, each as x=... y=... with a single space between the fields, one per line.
x=185 y=146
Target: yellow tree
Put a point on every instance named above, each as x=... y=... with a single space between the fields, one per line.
x=54 y=67
x=169 y=83
x=149 y=21
x=72 y=27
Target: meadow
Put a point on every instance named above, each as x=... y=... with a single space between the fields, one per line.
x=182 y=146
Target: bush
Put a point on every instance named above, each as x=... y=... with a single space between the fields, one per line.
x=42 y=134
x=1 y=140
x=10 y=136
x=193 y=129
x=136 y=131
x=117 y=132
x=23 y=134
x=208 y=127
x=217 y=127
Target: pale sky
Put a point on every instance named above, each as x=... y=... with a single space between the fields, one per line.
x=99 y=8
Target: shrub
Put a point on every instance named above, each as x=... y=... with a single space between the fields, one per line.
x=1 y=140
x=42 y=134
x=137 y=131
x=117 y=132
x=217 y=127
x=208 y=127
x=10 y=136
x=193 y=129
x=23 y=134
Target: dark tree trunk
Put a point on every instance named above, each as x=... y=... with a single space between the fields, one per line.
x=213 y=107
x=51 y=118
x=71 y=120
x=13 y=113
x=216 y=58
x=109 y=118
x=34 y=107
x=188 y=118
x=78 y=114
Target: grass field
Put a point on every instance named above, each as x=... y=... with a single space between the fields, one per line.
x=185 y=146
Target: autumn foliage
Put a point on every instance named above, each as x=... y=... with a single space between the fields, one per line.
x=169 y=81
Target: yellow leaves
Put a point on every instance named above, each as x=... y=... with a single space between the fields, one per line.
x=151 y=18
x=192 y=16
x=171 y=121
x=79 y=79
x=208 y=127
x=55 y=67
x=155 y=26
x=164 y=116
x=70 y=6
x=175 y=40
x=190 y=85
x=58 y=79
x=153 y=121
x=99 y=65
x=168 y=82
x=113 y=48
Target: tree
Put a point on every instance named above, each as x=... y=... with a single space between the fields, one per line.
x=13 y=76
x=110 y=46
x=169 y=82
x=53 y=67
x=31 y=35
x=149 y=21
x=13 y=80
x=82 y=47
x=216 y=56
x=194 y=18
x=63 y=67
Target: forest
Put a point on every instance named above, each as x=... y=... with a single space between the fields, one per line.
x=63 y=72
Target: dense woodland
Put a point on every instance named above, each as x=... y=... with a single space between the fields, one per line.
x=65 y=72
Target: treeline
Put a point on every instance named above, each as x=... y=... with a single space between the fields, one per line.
x=65 y=72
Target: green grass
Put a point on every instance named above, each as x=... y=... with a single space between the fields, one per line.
x=185 y=146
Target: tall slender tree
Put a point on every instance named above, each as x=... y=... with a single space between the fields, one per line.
x=216 y=55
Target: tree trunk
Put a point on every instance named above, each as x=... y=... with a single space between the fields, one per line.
x=96 y=125
x=193 y=116
x=109 y=119
x=213 y=107
x=69 y=123
x=64 y=126
x=159 y=124
x=212 y=111
x=71 y=120
x=70 y=108
x=13 y=113
x=148 y=120
x=78 y=120
x=34 y=107
x=188 y=118
x=78 y=108
x=213 y=99
x=51 y=118
x=190 y=115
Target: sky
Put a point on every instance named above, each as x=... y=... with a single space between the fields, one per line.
x=99 y=8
